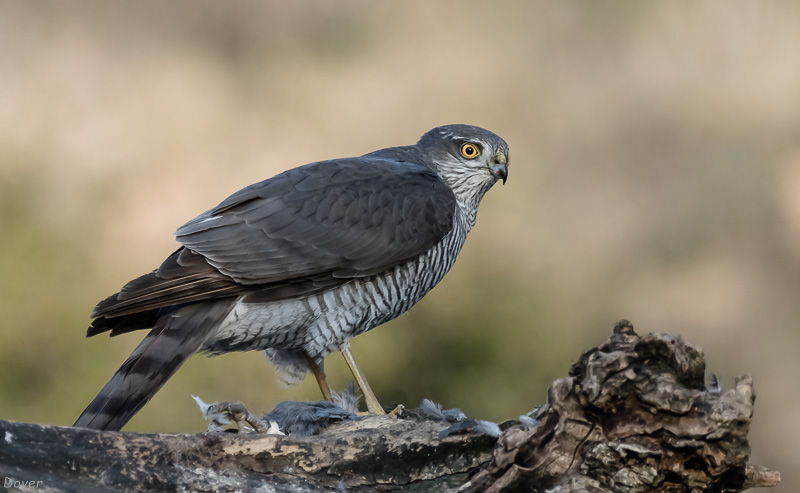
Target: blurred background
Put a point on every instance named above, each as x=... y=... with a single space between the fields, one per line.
x=655 y=176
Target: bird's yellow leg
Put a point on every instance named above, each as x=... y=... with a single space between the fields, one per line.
x=372 y=402
x=322 y=380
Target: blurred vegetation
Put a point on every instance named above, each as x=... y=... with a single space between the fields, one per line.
x=655 y=176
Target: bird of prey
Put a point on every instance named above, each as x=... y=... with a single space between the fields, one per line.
x=298 y=264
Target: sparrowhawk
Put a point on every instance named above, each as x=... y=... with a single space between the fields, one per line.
x=298 y=264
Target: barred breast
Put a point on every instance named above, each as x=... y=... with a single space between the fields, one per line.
x=321 y=323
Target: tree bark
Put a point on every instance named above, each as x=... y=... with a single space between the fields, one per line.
x=633 y=415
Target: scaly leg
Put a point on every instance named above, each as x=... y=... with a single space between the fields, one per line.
x=372 y=402
x=322 y=380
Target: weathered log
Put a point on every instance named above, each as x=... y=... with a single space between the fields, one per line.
x=633 y=415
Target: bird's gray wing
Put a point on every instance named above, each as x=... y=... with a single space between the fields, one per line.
x=348 y=218
x=302 y=231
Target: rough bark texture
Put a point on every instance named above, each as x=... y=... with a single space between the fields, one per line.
x=633 y=415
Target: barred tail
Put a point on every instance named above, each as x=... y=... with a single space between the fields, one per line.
x=176 y=336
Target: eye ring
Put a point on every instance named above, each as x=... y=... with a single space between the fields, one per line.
x=470 y=150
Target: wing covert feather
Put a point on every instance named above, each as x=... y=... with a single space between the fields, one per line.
x=301 y=232
x=351 y=217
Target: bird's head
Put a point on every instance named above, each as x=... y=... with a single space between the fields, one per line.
x=468 y=158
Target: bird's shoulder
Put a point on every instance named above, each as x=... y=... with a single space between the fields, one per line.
x=349 y=217
x=392 y=170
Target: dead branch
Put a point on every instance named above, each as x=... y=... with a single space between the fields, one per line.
x=633 y=415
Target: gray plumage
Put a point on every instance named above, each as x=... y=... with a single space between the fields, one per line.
x=487 y=428
x=534 y=417
x=307 y=418
x=348 y=398
x=298 y=264
x=288 y=417
x=434 y=410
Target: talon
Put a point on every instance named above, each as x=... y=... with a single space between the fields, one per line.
x=236 y=412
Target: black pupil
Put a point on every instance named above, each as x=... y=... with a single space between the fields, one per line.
x=469 y=150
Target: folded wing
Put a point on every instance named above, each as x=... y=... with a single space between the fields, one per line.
x=300 y=232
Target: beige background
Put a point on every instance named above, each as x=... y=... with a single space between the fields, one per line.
x=655 y=176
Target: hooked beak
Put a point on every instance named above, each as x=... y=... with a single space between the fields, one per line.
x=500 y=168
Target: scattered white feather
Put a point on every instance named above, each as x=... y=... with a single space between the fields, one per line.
x=348 y=399
x=533 y=418
x=454 y=415
x=472 y=425
x=435 y=411
x=216 y=421
x=488 y=428
x=432 y=409
x=9 y=437
x=274 y=429
x=203 y=406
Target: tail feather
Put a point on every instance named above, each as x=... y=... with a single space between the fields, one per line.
x=184 y=277
x=125 y=323
x=176 y=336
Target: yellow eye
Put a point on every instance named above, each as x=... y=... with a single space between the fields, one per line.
x=470 y=151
